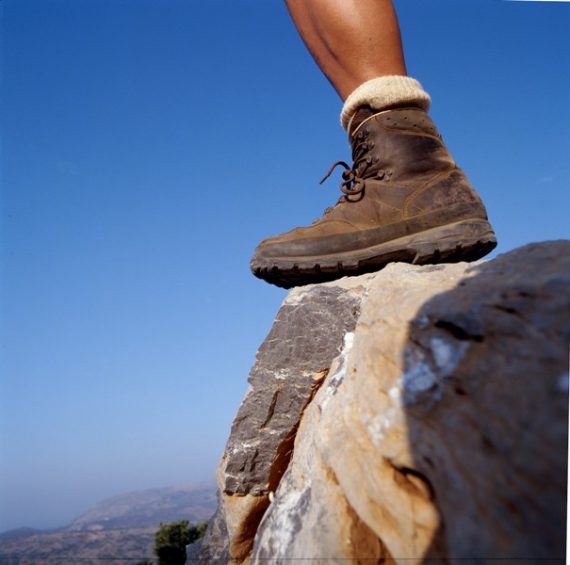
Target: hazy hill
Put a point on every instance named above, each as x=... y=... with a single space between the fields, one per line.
x=120 y=528
x=144 y=508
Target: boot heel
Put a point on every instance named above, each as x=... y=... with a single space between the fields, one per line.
x=467 y=240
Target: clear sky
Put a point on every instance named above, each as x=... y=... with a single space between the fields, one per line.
x=148 y=145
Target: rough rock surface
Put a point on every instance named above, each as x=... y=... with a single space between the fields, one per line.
x=427 y=413
x=290 y=365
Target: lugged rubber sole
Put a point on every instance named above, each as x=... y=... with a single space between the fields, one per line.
x=467 y=240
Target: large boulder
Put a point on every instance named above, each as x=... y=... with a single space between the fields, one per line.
x=413 y=414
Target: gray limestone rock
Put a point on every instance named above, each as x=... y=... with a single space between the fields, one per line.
x=292 y=361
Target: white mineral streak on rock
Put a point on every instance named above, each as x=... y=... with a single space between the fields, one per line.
x=348 y=341
x=295 y=297
x=243 y=446
x=285 y=522
x=388 y=418
x=421 y=377
x=281 y=374
x=418 y=378
x=338 y=371
x=395 y=394
x=447 y=354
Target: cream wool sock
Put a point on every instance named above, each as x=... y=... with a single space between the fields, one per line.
x=382 y=92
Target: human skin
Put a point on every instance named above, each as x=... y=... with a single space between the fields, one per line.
x=352 y=41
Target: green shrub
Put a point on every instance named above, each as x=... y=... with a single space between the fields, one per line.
x=171 y=539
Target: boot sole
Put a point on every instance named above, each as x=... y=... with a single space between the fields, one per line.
x=467 y=240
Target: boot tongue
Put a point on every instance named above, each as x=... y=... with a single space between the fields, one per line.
x=359 y=116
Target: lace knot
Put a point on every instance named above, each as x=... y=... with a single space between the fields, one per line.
x=353 y=178
x=352 y=184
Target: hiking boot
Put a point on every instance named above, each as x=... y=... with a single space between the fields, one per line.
x=404 y=199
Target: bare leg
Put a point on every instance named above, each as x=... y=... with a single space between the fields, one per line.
x=352 y=41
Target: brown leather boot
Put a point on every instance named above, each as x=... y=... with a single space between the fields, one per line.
x=404 y=200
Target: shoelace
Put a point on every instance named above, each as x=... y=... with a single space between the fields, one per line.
x=353 y=184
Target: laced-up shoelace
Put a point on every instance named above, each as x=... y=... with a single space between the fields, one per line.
x=353 y=183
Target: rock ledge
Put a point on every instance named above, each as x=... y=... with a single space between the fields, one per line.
x=412 y=414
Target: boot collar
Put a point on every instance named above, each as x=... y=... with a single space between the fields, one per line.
x=365 y=113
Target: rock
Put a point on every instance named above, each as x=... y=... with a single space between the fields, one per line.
x=290 y=365
x=437 y=429
x=213 y=548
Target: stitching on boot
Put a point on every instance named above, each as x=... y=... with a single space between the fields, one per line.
x=422 y=189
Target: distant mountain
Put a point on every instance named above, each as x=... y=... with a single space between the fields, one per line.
x=118 y=528
x=144 y=508
x=19 y=533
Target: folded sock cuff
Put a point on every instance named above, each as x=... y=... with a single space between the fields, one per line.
x=383 y=92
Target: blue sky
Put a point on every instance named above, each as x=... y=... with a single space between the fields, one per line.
x=147 y=147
